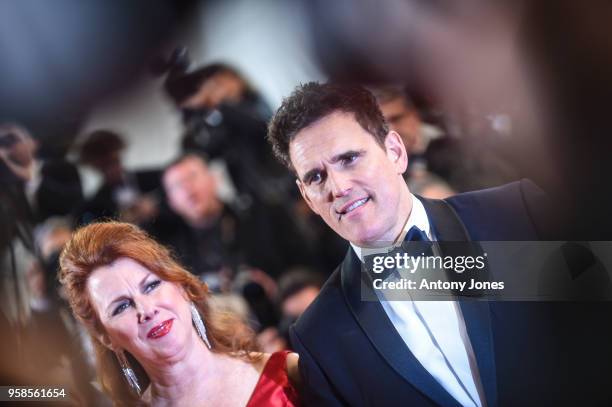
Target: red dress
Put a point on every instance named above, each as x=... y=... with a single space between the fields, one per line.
x=273 y=388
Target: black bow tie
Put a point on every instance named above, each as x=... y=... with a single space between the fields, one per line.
x=416 y=235
x=416 y=243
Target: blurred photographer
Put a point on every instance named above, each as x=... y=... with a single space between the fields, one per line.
x=225 y=119
x=17 y=150
x=129 y=195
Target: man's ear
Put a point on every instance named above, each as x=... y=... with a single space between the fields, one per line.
x=302 y=189
x=396 y=151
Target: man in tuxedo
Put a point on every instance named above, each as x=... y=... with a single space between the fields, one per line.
x=349 y=169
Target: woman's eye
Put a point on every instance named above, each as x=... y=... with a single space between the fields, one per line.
x=152 y=286
x=121 y=307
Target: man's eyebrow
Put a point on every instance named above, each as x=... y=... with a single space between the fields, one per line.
x=344 y=155
x=338 y=157
x=310 y=174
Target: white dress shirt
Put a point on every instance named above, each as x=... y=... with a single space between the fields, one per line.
x=417 y=321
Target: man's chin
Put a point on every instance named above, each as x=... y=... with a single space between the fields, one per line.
x=367 y=238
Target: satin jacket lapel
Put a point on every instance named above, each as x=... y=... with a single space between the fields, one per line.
x=380 y=331
x=477 y=314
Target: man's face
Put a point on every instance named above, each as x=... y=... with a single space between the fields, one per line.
x=110 y=166
x=404 y=120
x=297 y=303
x=352 y=182
x=191 y=189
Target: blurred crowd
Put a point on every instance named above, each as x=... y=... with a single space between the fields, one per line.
x=230 y=213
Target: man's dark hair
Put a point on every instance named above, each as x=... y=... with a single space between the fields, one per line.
x=295 y=280
x=384 y=94
x=313 y=101
x=180 y=86
x=100 y=144
x=184 y=156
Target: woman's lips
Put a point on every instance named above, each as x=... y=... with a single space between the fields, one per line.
x=160 y=330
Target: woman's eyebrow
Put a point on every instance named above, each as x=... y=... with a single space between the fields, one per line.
x=125 y=297
x=144 y=280
x=119 y=298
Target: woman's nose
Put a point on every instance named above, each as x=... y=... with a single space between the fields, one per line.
x=146 y=311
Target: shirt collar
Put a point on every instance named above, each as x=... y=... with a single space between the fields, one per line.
x=418 y=217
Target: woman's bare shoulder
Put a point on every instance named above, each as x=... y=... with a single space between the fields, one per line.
x=291 y=365
x=260 y=360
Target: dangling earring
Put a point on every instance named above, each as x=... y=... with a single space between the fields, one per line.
x=199 y=324
x=128 y=372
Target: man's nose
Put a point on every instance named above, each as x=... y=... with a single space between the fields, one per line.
x=145 y=310
x=339 y=184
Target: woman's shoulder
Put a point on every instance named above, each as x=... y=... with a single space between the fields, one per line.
x=285 y=360
x=261 y=361
x=278 y=380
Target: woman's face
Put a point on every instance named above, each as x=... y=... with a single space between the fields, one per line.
x=141 y=313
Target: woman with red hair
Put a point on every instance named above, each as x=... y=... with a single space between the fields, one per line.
x=157 y=340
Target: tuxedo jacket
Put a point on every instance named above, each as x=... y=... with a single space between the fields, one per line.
x=528 y=353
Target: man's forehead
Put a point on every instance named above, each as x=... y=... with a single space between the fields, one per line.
x=395 y=104
x=331 y=135
x=186 y=166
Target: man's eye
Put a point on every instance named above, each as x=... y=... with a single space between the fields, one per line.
x=152 y=286
x=121 y=307
x=349 y=159
x=316 y=178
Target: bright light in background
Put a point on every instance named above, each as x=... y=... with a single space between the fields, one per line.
x=264 y=40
